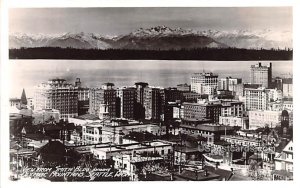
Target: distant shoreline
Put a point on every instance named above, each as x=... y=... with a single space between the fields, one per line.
x=209 y=54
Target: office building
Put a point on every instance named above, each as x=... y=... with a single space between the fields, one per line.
x=172 y=95
x=106 y=95
x=83 y=98
x=153 y=103
x=126 y=102
x=190 y=96
x=204 y=83
x=256 y=99
x=260 y=74
x=277 y=83
x=211 y=131
x=232 y=108
x=229 y=84
x=200 y=111
x=232 y=114
x=139 y=112
x=57 y=94
x=287 y=87
x=184 y=87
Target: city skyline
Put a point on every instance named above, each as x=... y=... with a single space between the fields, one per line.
x=134 y=71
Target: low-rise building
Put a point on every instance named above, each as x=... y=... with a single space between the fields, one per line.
x=133 y=164
x=287 y=87
x=84 y=119
x=190 y=96
x=199 y=111
x=108 y=151
x=46 y=116
x=234 y=121
x=259 y=119
x=115 y=129
x=210 y=131
x=241 y=140
x=284 y=163
x=15 y=103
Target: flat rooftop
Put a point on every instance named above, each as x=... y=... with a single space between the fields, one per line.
x=208 y=127
x=129 y=147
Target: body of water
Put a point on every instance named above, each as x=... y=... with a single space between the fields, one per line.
x=28 y=73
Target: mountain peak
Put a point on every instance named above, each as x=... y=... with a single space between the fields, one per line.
x=161 y=30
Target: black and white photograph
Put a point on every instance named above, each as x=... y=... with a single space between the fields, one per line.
x=150 y=94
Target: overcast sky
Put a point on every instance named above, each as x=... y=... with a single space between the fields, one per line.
x=114 y=21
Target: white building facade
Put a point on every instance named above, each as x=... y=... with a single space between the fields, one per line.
x=204 y=83
x=259 y=119
x=57 y=94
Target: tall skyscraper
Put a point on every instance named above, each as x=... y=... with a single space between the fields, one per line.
x=153 y=103
x=261 y=75
x=104 y=95
x=204 y=83
x=139 y=112
x=57 y=94
x=126 y=102
x=83 y=98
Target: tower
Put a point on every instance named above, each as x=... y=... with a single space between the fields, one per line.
x=260 y=74
x=23 y=98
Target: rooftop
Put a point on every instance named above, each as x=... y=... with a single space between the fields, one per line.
x=244 y=138
x=208 y=127
x=130 y=147
x=15 y=99
x=88 y=117
x=37 y=136
x=205 y=74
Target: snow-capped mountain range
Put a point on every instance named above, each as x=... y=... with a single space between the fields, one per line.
x=158 y=38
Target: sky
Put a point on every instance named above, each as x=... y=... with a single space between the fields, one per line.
x=116 y=21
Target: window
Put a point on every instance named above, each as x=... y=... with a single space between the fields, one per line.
x=162 y=152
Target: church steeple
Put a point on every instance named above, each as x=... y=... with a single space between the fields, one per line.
x=23 y=98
